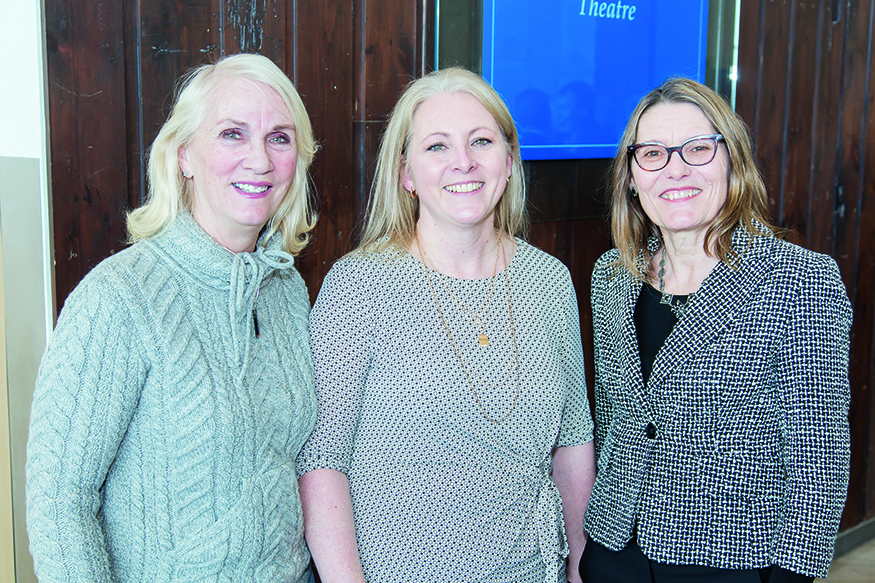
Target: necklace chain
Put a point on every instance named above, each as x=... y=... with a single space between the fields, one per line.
x=476 y=320
x=678 y=309
x=462 y=362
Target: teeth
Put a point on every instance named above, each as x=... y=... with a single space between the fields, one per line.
x=677 y=195
x=460 y=188
x=250 y=188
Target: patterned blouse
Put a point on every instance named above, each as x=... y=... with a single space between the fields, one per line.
x=440 y=492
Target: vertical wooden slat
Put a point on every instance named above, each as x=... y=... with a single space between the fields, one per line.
x=824 y=134
x=86 y=100
x=772 y=98
x=800 y=104
x=851 y=256
x=750 y=49
x=864 y=347
x=324 y=45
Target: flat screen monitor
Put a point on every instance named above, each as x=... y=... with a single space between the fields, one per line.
x=572 y=71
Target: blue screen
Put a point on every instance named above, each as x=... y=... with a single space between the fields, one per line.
x=571 y=72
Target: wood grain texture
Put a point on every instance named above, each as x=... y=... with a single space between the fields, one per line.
x=89 y=164
x=324 y=65
x=810 y=111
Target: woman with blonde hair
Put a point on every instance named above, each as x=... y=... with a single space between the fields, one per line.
x=721 y=357
x=177 y=388
x=454 y=431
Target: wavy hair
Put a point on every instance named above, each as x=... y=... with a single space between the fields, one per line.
x=746 y=203
x=170 y=194
x=391 y=215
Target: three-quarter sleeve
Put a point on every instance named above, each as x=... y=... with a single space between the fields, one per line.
x=577 y=424
x=814 y=393
x=86 y=393
x=340 y=340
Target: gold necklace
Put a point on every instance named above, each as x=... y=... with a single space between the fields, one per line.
x=458 y=352
x=478 y=323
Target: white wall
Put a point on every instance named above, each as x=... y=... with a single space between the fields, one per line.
x=26 y=296
x=21 y=91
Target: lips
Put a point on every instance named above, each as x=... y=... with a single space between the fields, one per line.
x=680 y=194
x=464 y=188
x=252 y=189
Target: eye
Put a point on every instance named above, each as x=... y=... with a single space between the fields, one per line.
x=436 y=147
x=702 y=147
x=481 y=142
x=280 y=138
x=651 y=152
x=232 y=134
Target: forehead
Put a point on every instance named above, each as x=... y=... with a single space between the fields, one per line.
x=242 y=99
x=446 y=112
x=672 y=123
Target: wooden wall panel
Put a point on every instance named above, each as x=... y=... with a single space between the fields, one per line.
x=578 y=243
x=825 y=125
x=89 y=165
x=796 y=143
x=864 y=316
x=324 y=67
x=805 y=90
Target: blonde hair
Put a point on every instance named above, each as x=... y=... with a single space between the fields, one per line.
x=170 y=194
x=746 y=198
x=392 y=213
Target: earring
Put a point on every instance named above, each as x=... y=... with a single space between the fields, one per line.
x=633 y=190
x=412 y=193
x=186 y=174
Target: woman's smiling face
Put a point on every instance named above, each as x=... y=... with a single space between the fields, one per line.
x=680 y=197
x=457 y=162
x=241 y=160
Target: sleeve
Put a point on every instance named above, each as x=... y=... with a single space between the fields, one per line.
x=815 y=393
x=340 y=340
x=87 y=389
x=604 y=405
x=577 y=423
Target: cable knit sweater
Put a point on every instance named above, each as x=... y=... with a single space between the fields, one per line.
x=163 y=432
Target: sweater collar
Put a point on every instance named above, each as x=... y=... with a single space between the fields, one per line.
x=214 y=266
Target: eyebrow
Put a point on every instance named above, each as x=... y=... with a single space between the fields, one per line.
x=447 y=134
x=243 y=124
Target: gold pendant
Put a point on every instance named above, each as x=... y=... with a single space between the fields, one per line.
x=483 y=340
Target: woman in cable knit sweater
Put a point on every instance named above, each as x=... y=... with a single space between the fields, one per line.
x=177 y=388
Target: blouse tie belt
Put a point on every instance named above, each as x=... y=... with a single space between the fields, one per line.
x=550 y=523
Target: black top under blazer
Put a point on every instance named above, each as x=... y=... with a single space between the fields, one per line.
x=736 y=454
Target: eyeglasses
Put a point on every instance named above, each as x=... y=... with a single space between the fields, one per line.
x=697 y=151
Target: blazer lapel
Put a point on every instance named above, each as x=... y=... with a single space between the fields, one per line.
x=627 y=291
x=723 y=293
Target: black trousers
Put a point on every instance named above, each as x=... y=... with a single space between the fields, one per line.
x=630 y=565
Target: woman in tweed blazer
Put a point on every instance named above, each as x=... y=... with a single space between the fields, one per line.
x=721 y=357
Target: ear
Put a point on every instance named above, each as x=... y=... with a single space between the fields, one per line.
x=406 y=177
x=182 y=157
x=509 y=166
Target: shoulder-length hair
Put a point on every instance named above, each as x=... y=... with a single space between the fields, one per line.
x=170 y=193
x=392 y=213
x=746 y=197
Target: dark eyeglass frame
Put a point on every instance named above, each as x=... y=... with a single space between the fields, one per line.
x=631 y=151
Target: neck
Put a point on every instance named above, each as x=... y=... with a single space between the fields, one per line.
x=241 y=241
x=687 y=264
x=467 y=256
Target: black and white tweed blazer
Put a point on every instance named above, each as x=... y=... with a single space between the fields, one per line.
x=736 y=453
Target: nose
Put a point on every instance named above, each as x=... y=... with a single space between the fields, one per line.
x=258 y=158
x=676 y=167
x=463 y=160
